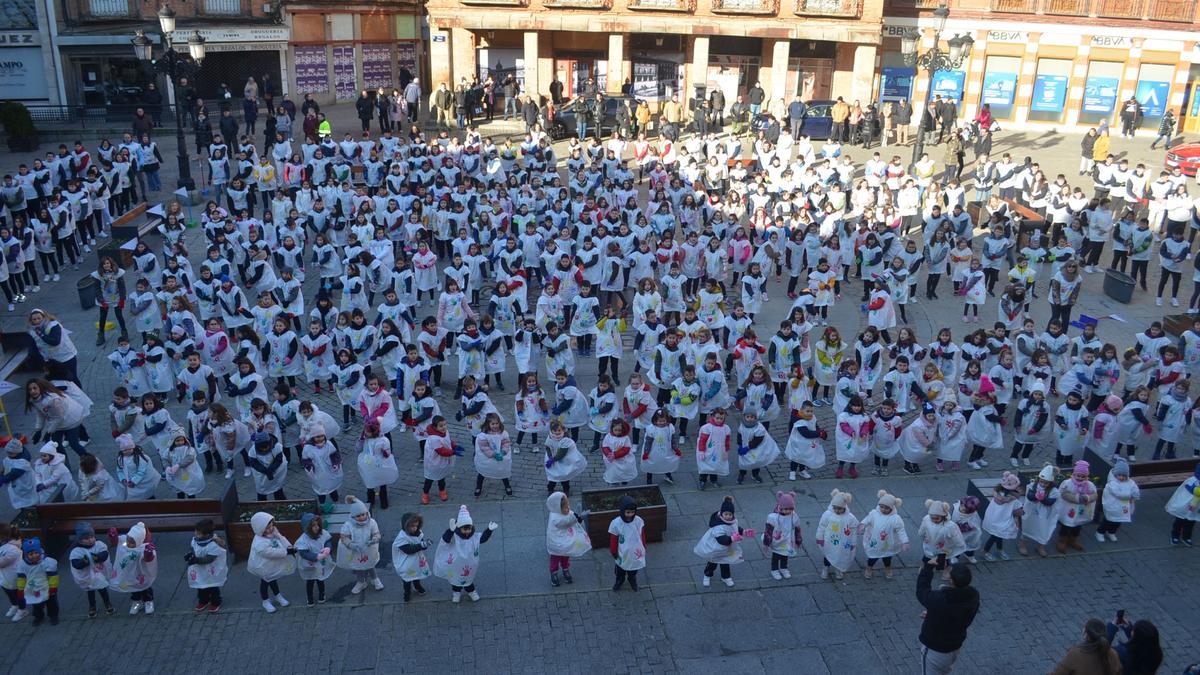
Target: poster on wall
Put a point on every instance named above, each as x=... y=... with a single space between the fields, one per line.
x=500 y=62
x=655 y=80
x=345 y=79
x=311 y=70
x=896 y=83
x=949 y=84
x=377 y=66
x=1049 y=93
x=1153 y=97
x=22 y=75
x=999 y=89
x=1100 y=94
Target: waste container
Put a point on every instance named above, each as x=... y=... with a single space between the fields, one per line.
x=1118 y=286
x=87 y=287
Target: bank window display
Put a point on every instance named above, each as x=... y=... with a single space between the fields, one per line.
x=1153 y=88
x=1048 y=103
x=1100 y=92
x=1000 y=85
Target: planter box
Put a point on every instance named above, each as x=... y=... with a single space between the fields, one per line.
x=652 y=507
x=287 y=518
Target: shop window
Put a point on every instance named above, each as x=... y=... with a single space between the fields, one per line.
x=1153 y=89
x=1049 y=101
x=1100 y=92
x=1000 y=85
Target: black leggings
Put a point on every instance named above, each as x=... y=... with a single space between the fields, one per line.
x=993 y=540
x=309 y=585
x=778 y=561
x=91 y=596
x=68 y=245
x=610 y=363
x=1060 y=313
x=120 y=314
x=711 y=567
x=1174 y=277
x=887 y=561
x=1182 y=528
x=50 y=264
x=1137 y=270
x=264 y=586
x=429 y=484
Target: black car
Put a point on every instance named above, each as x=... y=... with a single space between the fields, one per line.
x=564 y=118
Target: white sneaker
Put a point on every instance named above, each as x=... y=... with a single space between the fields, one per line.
x=824 y=572
x=268 y=606
x=776 y=575
x=983 y=462
x=786 y=574
x=974 y=465
x=706 y=581
x=135 y=608
x=1100 y=537
x=1025 y=461
x=806 y=474
x=455 y=597
x=728 y=582
x=11 y=610
x=972 y=559
x=57 y=277
x=148 y=607
x=11 y=307
x=838 y=574
x=19 y=614
x=228 y=474
x=791 y=475
x=37 y=289
x=87 y=248
x=1112 y=537
x=377 y=584
x=1013 y=461
x=1158 y=302
x=283 y=602
x=1174 y=302
x=246 y=473
x=358 y=587
x=474 y=596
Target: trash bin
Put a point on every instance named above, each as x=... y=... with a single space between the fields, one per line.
x=1118 y=286
x=87 y=287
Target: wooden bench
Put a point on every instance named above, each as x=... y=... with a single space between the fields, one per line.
x=123 y=228
x=1162 y=473
x=58 y=520
x=1030 y=220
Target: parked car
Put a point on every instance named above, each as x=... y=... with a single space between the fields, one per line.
x=1185 y=156
x=564 y=118
x=818 y=124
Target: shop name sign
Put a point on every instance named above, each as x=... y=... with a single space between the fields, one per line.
x=18 y=39
x=1007 y=36
x=273 y=34
x=1110 y=41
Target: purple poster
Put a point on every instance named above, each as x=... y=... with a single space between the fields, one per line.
x=345 y=79
x=311 y=70
x=377 y=66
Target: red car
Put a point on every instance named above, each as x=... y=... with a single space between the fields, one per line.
x=1186 y=157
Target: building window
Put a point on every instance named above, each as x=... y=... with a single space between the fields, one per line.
x=109 y=7
x=223 y=7
x=1100 y=92
x=1050 y=90
x=1153 y=88
x=1000 y=85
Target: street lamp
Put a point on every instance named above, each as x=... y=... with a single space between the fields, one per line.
x=934 y=61
x=176 y=66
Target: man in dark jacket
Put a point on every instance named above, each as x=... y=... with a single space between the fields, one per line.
x=228 y=126
x=947 y=116
x=756 y=97
x=510 y=88
x=796 y=110
x=903 y=117
x=185 y=95
x=142 y=123
x=739 y=113
x=556 y=91
x=365 y=108
x=309 y=104
x=530 y=112
x=949 y=611
x=717 y=98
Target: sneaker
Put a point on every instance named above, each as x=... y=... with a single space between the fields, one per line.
x=939 y=466
x=57 y=277
x=22 y=613
x=200 y=607
x=228 y=474
x=283 y=602
x=358 y=587
x=37 y=289
x=824 y=572
x=135 y=608
x=839 y=473
x=982 y=462
x=728 y=582
x=908 y=469
x=972 y=559
x=246 y=473
x=953 y=466
x=1187 y=542
x=1174 y=540
x=1174 y=302
x=839 y=575
x=554 y=579
x=706 y=581
x=443 y=495
x=11 y=610
x=1111 y=536
x=1014 y=462
x=566 y=574
x=703 y=485
x=1158 y=302
x=425 y=498
x=973 y=465
x=776 y=575
x=786 y=574
x=1004 y=556
x=791 y=475
x=377 y=584
x=989 y=557
x=853 y=473
x=667 y=478
x=1025 y=461
x=456 y=596
x=12 y=307
x=883 y=472
x=266 y=604
x=474 y=596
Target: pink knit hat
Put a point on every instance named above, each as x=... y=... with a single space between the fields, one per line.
x=1082 y=468
x=986 y=386
x=785 y=500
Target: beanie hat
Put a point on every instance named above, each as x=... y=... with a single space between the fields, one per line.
x=937 y=508
x=1047 y=474
x=985 y=385
x=888 y=500
x=260 y=438
x=14 y=446
x=726 y=506
x=1082 y=467
x=841 y=499
x=305 y=521
x=317 y=430
x=1038 y=387
x=464 y=517
x=1114 y=403
x=1121 y=468
x=84 y=530
x=784 y=500
x=628 y=503
x=138 y=533
x=125 y=442
x=970 y=503
x=31 y=545
x=1010 y=481
x=358 y=508
x=928 y=409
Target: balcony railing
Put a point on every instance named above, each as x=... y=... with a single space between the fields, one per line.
x=838 y=8
x=1015 y=6
x=579 y=4
x=1065 y=7
x=1119 y=9
x=1060 y=7
x=1172 y=10
x=769 y=7
x=664 y=5
x=108 y=8
x=223 y=7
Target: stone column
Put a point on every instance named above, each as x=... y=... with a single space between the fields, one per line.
x=439 y=59
x=619 y=67
x=864 y=73
x=698 y=68
x=464 y=63
x=781 y=53
x=532 y=80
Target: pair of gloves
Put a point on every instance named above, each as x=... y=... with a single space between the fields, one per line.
x=492 y=526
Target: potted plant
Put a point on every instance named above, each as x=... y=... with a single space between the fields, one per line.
x=286 y=513
x=604 y=505
x=18 y=127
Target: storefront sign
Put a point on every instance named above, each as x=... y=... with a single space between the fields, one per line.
x=17 y=38
x=1100 y=94
x=1153 y=97
x=1007 y=36
x=311 y=66
x=1111 y=41
x=22 y=75
x=896 y=83
x=272 y=34
x=999 y=88
x=949 y=84
x=1049 y=93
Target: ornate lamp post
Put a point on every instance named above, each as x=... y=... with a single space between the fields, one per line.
x=933 y=61
x=176 y=66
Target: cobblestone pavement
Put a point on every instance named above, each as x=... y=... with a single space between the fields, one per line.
x=1033 y=608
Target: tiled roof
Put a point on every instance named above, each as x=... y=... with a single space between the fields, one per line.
x=18 y=15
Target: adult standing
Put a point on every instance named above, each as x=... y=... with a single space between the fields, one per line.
x=888 y=115
x=54 y=345
x=949 y=612
x=412 y=95
x=717 y=98
x=530 y=113
x=511 y=89
x=365 y=109
x=460 y=105
x=1093 y=655
x=250 y=91
x=249 y=116
x=185 y=95
x=756 y=96
x=904 y=114
x=839 y=113
x=1064 y=291
x=442 y=102
x=383 y=108
x=59 y=416
x=267 y=90
x=152 y=100
x=229 y=127
x=947 y=116
x=1131 y=116
x=1086 y=145
x=796 y=111
x=309 y=103
x=556 y=91
x=142 y=123
x=1141 y=651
